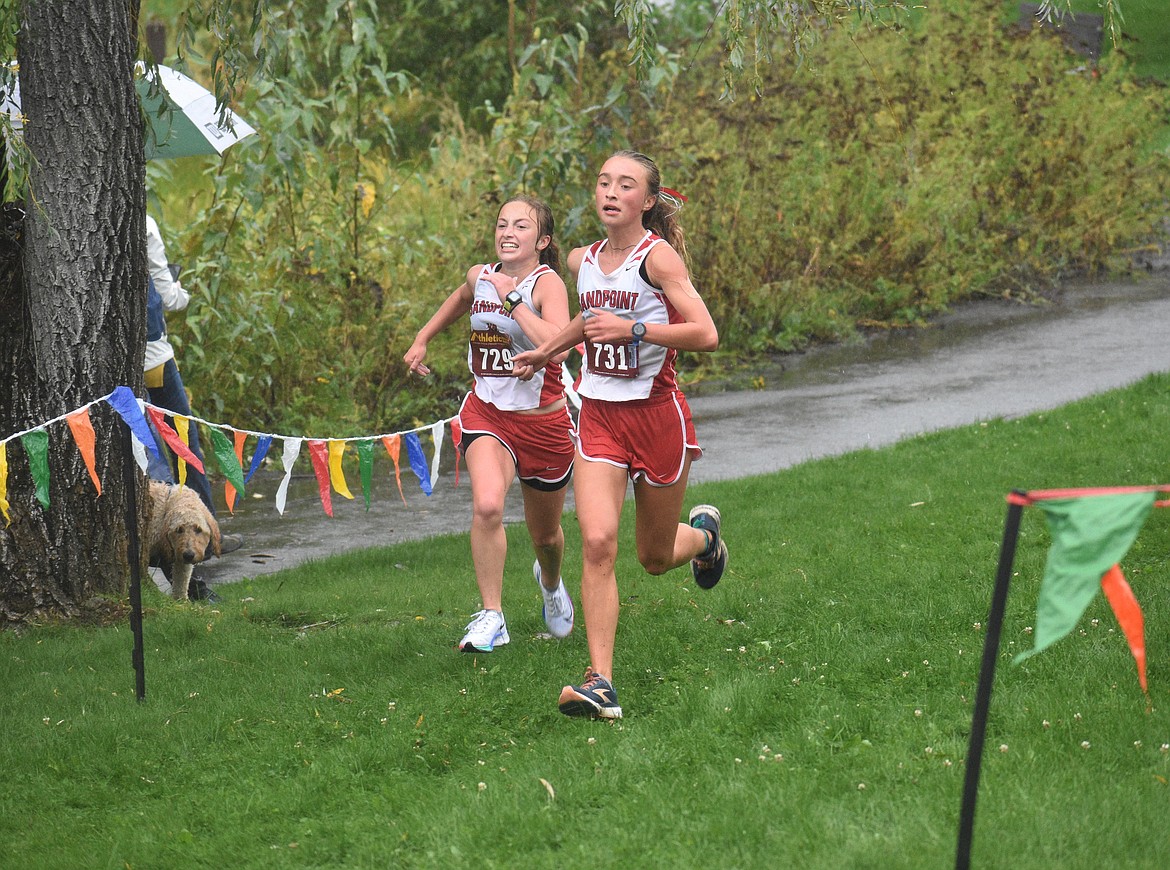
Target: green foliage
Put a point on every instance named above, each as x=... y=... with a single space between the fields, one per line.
x=897 y=172
x=812 y=711
x=323 y=251
x=873 y=179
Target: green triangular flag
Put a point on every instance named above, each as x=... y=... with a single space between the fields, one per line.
x=1090 y=535
x=36 y=445
x=225 y=455
x=365 y=452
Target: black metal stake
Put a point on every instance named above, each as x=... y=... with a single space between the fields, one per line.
x=1007 y=553
x=138 y=657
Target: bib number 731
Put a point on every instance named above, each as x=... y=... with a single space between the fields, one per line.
x=614 y=359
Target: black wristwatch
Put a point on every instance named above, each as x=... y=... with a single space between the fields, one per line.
x=639 y=331
x=512 y=300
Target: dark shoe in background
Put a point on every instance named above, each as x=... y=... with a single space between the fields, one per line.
x=200 y=591
x=230 y=543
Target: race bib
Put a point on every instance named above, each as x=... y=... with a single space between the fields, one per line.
x=616 y=360
x=491 y=353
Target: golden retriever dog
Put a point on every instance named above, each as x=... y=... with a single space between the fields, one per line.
x=182 y=532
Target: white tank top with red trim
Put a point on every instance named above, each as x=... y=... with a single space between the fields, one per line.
x=495 y=338
x=621 y=371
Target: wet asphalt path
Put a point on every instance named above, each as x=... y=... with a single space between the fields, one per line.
x=986 y=360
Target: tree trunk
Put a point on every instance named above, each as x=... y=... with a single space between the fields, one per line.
x=72 y=304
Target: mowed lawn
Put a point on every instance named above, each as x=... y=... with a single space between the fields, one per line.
x=813 y=710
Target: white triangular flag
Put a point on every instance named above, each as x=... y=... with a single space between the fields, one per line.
x=292 y=449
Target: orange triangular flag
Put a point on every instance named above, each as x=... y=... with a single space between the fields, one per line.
x=1129 y=617
x=82 y=429
x=229 y=491
x=393 y=444
x=456 y=436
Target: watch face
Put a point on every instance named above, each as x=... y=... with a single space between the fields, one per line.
x=639 y=329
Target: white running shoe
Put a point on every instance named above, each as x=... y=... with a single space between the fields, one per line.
x=558 y=606
x=486 y=631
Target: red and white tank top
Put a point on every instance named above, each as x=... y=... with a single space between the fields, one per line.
x=619 y=371
x=495 y=338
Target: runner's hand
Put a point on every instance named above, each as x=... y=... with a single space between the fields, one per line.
x=414 y=359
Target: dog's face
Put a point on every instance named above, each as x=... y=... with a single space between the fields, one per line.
x=189 y=541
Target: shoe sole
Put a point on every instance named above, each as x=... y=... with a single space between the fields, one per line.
x=468 y=647
x=723 y=555
x=572 y=703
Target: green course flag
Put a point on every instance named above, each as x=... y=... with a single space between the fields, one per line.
x=1089 y=536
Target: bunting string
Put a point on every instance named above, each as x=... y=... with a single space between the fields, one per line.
x=326 y=453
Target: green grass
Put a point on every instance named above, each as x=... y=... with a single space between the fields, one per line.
x=812 y=711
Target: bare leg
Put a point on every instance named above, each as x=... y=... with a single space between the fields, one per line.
x=663 y=542
x=492 y=471
x=600 y=489
x=542 y=513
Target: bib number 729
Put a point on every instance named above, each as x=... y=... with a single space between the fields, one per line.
x=491 y=354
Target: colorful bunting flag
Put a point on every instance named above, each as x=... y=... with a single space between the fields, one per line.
x=457 y=438
x=365 y=452
x=393 y=445
x=36 y=445
x=4 y=506
x=225 y=455
x=262 y=445
x=183 y=427
x=318 y=453
x=123 y=400
x=292 y=449
x=171 y=437
x=229 y=491
x=418 y=461
x=83 y=436
x=138 y=451
x=336 y=475
x=1090 y=535
x=437 y=430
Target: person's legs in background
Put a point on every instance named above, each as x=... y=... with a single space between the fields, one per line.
x=172 y=396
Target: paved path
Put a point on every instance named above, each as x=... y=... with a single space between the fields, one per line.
x=986 y=360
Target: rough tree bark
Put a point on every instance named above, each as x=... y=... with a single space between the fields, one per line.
x=72 y=302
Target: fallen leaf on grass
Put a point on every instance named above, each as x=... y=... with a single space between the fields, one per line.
x=552 y=795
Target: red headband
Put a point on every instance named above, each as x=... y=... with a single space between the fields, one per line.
x=673 y=193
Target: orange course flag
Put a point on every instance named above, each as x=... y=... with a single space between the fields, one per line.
x=1129 y=616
